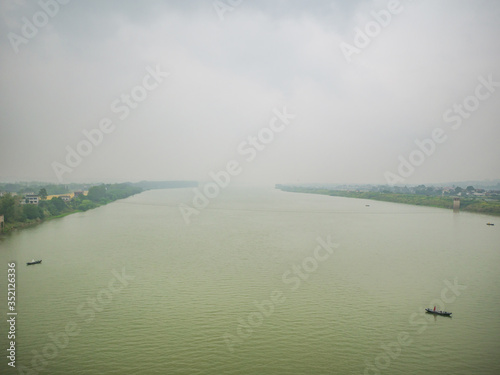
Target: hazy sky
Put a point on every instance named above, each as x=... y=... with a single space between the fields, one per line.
x=178 y=87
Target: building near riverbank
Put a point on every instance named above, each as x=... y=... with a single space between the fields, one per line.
x=31 y=199
x=67 y=197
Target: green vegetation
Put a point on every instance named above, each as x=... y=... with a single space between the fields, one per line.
x=43 y=193
x=18 y=215
x=478 y=205
x=48 y=189
x=104 y=194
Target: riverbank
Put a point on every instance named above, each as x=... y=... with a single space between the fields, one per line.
x=475 y=205
x=20 y=214
x=18 y=225
x=9 y=227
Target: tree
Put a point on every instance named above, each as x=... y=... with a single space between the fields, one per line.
x=96 y=193
x=43 y=193
x=430 y=190
x=86 y=205
x=420 y=189
x=11 y=209
x=32 y=211
x=470 y=189
x=59 y=203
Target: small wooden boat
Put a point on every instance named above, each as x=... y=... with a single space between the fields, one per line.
x=490 y=224
x=34 y=262
x=438 y=312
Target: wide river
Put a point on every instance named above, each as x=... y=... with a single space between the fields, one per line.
x=259 y=282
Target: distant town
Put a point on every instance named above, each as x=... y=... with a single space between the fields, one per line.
x=458 y=191
x=466 y=197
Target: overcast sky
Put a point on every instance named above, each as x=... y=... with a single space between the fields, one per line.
x=207 y=75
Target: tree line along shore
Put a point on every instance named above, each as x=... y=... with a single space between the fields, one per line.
x=22 y=210
x=488 y=206
x=21 y=207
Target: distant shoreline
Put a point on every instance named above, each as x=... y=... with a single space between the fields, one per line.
x=474 y=205
x=99 y=195
x=13 y=227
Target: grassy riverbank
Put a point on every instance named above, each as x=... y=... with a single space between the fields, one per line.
x=19 y=216
x=477 y=205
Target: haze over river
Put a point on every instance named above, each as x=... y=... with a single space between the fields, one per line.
x=260 y=282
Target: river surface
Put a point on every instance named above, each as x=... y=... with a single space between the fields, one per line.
x=260 y=282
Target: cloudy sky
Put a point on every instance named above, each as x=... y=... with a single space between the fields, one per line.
x=170 y=90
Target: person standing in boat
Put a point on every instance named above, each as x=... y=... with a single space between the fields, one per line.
x=434 y=308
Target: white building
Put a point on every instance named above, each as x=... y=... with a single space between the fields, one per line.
x=31 y=199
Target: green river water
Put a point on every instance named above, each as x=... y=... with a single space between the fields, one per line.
x=260 y=282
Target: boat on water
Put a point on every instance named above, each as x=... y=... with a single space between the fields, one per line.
x=490 y=224
x=438 y=312
x=34 y=262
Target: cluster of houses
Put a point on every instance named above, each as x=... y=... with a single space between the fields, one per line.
x=454 y=191
x=469 y=192
x=32 y=198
